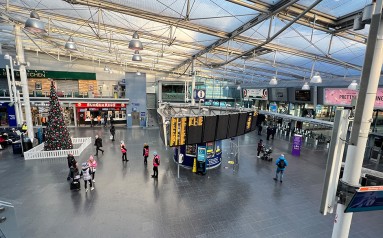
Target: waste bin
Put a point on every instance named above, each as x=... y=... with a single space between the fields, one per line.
x=27 y=144
x=16 y=146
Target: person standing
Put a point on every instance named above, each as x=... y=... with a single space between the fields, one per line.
x=111 y=120
x=259 y=148
x=269 y=131
x=24 y=127
x=123 y=151
x=273 y=131
x=112 y=132
x=105 y=119
x=156 y=163
x=99 y=120
x=260 y=129
x=281 y=164
x=145 y=153
x=98 y=144
x=72 y=165
x=91 y=120
x=85 y=174
x=92 y=165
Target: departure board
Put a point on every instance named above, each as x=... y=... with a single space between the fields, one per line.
x=222 y=125
x=209 y=127
x=177 y=131
x=254 y=121
x=249 y=120
x=241 y=123
x=195 y=129
x=233 y=123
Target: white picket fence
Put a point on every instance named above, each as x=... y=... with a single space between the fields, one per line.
x=39 y=153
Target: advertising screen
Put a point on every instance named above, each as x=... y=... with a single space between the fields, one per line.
x=366 y=199
x=233 y=124
x=241 y=124
x=346 y=97
x=222 y=123
x=209 y=127
x=195 y=129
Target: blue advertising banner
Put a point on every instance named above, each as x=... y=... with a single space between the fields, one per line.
x=201 y=153
x=297 y=143
x=366 y=199
x=12 y=122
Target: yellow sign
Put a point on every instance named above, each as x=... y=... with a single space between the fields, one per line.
x=248 y=122
x=194 y=170
x=183 y=131
x=173 y=131
x=177 y=131
x=230 y=162
x=195 y=121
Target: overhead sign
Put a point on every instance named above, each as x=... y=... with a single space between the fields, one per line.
x=199 y=94
x=257 y=93
x=345 y=97
x=177 y=131
x=366 y=199
x=100 y=104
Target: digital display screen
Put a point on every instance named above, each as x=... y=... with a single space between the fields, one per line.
x=249 y=120
x=222 y=124
x=177 y=131
x=366 y=199
x=209 y=127
x=303 y=95
x=241 y=124
x=233 y=123
x=195 y=129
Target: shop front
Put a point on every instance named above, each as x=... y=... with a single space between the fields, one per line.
x=256 y=96
x=7 y=115
x=278 y=101
x=40 y=111
x=98 y=111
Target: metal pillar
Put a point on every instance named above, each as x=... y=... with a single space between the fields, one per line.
x=364 y=108
x=20 y=109
x=193 y=83
x=19 y=119
x=159 y=91
x=24 y=82
x=9 y=84
x=75 y=115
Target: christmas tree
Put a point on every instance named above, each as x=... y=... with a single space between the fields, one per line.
x=56 y=133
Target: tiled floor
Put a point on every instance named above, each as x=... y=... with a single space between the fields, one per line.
x=128 y=203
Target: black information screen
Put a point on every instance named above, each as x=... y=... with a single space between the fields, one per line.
x=303 y=95
x=195 y=128
x=241 y=124
x=222 y=124
x=209 y=127
x=233 y=123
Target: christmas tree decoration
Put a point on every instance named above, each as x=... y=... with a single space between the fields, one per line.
x=56 y=133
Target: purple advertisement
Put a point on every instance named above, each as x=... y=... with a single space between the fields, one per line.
x=297 y=143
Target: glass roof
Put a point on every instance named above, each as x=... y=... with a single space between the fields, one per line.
x=172 y=35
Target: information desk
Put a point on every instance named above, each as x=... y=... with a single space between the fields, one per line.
x=190 y=152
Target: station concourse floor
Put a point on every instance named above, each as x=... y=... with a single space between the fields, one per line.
x=127 y=202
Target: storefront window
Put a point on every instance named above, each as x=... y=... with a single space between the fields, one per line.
x=191 y=150
x=210 y=149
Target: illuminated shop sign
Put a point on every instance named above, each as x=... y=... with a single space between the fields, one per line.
x=104 y=105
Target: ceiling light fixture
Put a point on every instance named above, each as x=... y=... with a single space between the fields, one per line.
x=239 y=87
x=135 y=43
x=316 y=78
x=106 y=69
x=7 y=56
x=136 y=56
x=306 y=86
x=70 y=45
x=273 y=81
x=353 y=85
x=34 y=24
x=138 y=72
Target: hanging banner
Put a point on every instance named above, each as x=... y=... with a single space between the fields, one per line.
x=345 y=97
x=257 y=93
x=11 y=116
x=297 y=144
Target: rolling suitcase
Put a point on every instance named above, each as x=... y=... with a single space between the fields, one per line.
x=75 y=184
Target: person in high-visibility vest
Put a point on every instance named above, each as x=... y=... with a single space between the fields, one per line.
x=24 y=127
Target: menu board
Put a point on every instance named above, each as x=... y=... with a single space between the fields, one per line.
x=209 y=127
x=303 y=95
x=241 y=124
x=177 y=131
x=249 y=120
x=222 y=123
x=233 y=124
x=195 y=129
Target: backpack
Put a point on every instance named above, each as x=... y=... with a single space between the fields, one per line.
x=281 y=164
x=146 y=152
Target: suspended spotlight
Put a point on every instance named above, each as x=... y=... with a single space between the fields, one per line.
x=33 y=24
x=106 y=69
x=353 y=85
x=316 y=78
x=6 y=56
x=306 y=86
x=136 y=56
x=273 y=81
x=70 y=44
x=239 y=87
x=135 y=43
x=138 y=72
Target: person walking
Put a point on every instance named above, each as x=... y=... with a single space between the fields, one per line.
x=99 y=120
x=98 y=144
x=260 y=129
x=92 y=165
x=111 y=120
x=281 y=164
x=156 y=163
x=269 y=131
x=145 y=153
x=91 y=120
x=123 y=151
x=72 y=165
x=273 y=131
x=85 y=174
x=105 y=120
x=112 y=132
x=259 y=148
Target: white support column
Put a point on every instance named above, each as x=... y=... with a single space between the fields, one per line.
x=9 y=83
x=19 y=118
x=19 y=107
x=363 y=116
x=193 y=83
x=24 y=82
x=75 y=115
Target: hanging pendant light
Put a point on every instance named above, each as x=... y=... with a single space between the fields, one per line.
x=306 y=86
x=135 y=43
x=33 y=24
x=316 y=78
x=70 y=45
x=353 y=85
x=239 y=87
x=106 y=69
x=136 y=56
x=273 y=81
x=138 y=72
